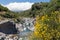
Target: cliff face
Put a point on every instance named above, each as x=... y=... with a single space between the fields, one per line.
x=8 y=28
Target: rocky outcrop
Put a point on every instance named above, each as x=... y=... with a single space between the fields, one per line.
x=23 y=30
x=8 y=28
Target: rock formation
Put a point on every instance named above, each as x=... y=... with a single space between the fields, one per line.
x=8 y=28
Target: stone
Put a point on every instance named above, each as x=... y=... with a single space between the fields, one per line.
x=8 y=28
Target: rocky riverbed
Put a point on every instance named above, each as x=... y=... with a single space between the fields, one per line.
x=17 y=31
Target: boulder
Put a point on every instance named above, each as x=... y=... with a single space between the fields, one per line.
x=8 y=28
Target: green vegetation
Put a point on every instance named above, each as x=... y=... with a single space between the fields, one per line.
x=25 y=13
x=47 y=25
x=45 y=7
x=5 y=13
x=10 y=15
x=41 y=8
x=3 y=8
x=47 y=14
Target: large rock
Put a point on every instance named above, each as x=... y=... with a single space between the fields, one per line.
x=8 y=28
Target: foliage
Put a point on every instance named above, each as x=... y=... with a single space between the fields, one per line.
x=10 y=15
x=38 y=8
x=45 y=7
x=24 y=13
x=3 y=8
x=47 y=27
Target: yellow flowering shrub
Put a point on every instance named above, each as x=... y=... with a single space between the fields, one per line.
x=47 y=27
